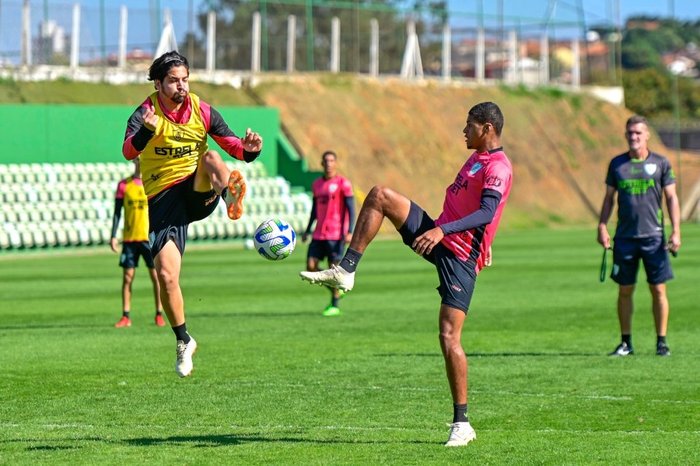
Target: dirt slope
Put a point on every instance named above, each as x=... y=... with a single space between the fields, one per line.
x=409 y=137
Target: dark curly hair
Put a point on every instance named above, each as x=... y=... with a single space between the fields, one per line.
x=161 y=65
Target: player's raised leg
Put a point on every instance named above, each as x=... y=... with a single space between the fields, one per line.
x=381 y=203
x=212 y=173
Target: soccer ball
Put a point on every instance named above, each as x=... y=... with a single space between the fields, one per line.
x=275 y=239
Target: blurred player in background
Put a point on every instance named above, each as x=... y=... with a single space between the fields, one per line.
x=457 y=243
x=183 y=179
x=333 y=211
x=131 y=196
x=640 y=177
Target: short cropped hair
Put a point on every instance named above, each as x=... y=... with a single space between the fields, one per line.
x=161 y=65
x=488 y=112
x=635 y=119
x=329 y=152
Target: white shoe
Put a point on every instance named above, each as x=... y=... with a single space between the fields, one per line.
x=183 y=364
x=461 y=433
x=335 y=277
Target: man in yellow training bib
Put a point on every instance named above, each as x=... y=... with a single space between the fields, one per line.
x=132 y=198
x=183 y=179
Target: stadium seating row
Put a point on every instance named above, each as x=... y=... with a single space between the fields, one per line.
x=54 y=205
x=51 y=173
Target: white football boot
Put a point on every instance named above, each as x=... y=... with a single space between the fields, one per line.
x=183 y=364
x=335 y=277
x=461 y=433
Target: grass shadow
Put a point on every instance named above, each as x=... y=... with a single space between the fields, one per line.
x=495 y=354
x=200 y=441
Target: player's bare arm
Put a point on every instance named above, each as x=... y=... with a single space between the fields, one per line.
x=674 y=213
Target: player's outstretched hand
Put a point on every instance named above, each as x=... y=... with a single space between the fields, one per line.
x=252 y=142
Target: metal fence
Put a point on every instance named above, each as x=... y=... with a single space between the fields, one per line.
x=292 y=36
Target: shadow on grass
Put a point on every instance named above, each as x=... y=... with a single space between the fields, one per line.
x=51 y=448
x=238 y=439
x=261 y=314
x=528 y=354
x=52 y=326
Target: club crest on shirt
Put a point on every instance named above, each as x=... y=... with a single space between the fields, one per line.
x=650 y=168
x=475 y=168
x=332 y=188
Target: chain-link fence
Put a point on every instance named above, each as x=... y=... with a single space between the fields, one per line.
x=377 y=38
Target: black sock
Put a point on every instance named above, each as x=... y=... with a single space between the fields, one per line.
x=350 y=260
x=460 y=413
x=627 y=339
x=334 y=301
x=126 y=314
x=181 y=333
x=660 y=340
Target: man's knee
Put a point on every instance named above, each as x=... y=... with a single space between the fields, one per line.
x=626 y=291
x=380 y=195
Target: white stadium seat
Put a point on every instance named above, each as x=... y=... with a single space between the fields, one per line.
x=60 y=205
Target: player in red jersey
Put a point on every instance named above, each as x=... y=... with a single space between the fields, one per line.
x=333 y=211
x=183 y=179
x=457 y=242
x=132 y=198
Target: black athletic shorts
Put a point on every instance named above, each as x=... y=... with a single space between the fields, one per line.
x=320 y=249
x=652 y=251
x=173 y=209
x=457 y=277
x=132 y=250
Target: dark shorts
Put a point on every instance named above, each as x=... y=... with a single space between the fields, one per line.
x=132 y=250
x=321 y=249
x=457 y=278
x=173 y=209
x=652 y=251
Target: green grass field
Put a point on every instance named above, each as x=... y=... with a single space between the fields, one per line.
x=276 y=383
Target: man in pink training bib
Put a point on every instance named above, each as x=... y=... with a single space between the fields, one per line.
x=457 y=242
x=333 y=211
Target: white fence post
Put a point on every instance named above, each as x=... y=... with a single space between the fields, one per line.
x=480 y=71
x=446 y=52
x=123 y=23
x=291 y=42
x=412 y=65
x=544 y=59
x=26 y=34
x=513 y=61
x=576 y=64
x=374 y=48
x=255 y=44
x=335 y=45
x=75 y=38
x=211 y=41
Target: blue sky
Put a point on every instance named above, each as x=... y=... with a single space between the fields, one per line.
x=595 y=10
x=565 y=17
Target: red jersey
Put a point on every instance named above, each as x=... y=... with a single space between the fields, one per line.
x=332 y=217
x=463 y=197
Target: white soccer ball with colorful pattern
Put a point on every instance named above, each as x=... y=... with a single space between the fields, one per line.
x=275 y=239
